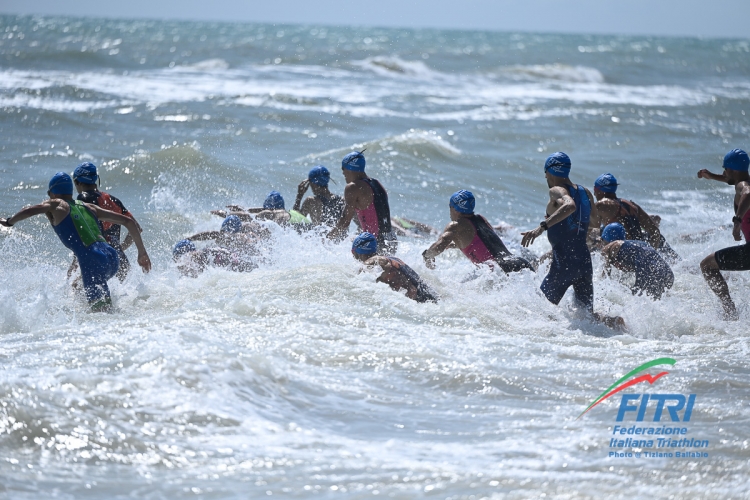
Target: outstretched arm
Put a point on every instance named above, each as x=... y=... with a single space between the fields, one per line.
x=647 y=223
x=441 y=245
x=42 y=208
x=705 y=174
x=143 y=260
x=204 y=236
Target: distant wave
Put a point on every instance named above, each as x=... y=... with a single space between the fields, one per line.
x=561 y=72
x=395 y=66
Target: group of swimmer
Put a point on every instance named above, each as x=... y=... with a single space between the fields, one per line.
x=576 y=223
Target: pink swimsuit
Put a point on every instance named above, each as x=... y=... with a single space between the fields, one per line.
x=477 y=251
x=368 y=219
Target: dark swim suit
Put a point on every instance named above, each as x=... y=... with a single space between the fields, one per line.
x=627 y=215
x=487 y=245
x=333 y=209
x=376 y=218
x=736 y=258
x=79 y=232
x=424 y=292
x=571 y=259
x=110 y=231
x=652 y=274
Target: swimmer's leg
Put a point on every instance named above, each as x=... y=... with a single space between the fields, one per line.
x=556 y=283
x=712 y=274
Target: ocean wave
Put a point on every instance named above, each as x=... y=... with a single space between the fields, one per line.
x=394 y=66
x=557 y=72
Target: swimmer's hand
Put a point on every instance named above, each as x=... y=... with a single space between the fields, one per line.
x=530 y=236
x=235 y=208
x=220 y=213
x=703 y=173
x=736 y=232
x=430 y=263
x=5 y=223
x=144 y=262
x=302 y=188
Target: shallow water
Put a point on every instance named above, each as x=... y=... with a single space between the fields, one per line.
x=304 y=377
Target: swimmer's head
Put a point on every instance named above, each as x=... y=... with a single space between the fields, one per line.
x=613 y=232
x=232 y=224
x=463 y=202
x=364 y=246
x=606 y=183
x=60 y=184
x=354 y=161
x=319 y=176
x=85 y=173
x=558 y=164
x=736 y=160
x=274 y=201
x=181 y=248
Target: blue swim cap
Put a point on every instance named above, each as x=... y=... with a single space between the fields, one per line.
x=613 y=232
x=558 y=164
x=85 y=173
x=736 y=159
x=354 y=161
x=232 y=224
x=319 y=176
x=463 y=201
x=365 y=244
x=182 y=247
x=61 y=183
x=606 y=183
x=274 y=201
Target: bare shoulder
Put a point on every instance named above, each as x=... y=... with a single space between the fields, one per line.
x=378 y=260
x=557 y=192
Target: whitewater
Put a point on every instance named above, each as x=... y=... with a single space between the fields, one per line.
x=305 y=378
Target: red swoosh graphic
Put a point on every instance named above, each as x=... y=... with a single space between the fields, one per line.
x=643 y=378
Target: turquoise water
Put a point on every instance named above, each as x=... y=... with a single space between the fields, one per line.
x=304 y=378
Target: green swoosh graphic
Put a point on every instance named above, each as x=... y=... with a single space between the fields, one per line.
x=644 y=366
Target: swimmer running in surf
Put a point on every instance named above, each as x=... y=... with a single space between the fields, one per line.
x=395 y=274
x=323 y=208
x=85 y=179
x=652 y=273
x=736 y=258
x=637 y=223
x=569 y=210
x=77 y=225
x=367 y=199
x=474 y=236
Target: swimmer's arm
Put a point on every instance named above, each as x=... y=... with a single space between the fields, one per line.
x=608 y=252
x=301 y=190
x=73 y=267
x=342 y=226
x=129 y=239
x=565 y=206
x=395 y=280
x=742 y=207
x=42 y=208
x=648 y=225
x=441 y=245
x=204 y=236
x=705 y=174
x=243 y=216
x=143 y=259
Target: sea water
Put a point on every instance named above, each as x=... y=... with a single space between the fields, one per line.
x=305 y=378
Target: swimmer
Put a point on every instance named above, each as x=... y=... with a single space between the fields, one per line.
x=191 y=261
x=652 y=274
x=231 y=236
x=395 y=274
x=474 y=236
x=272 y=210
x=736 y=258
x=367 y=199
x=77 y=225
x=323 y=208
x=85 y=178
x=569 y=211
x=637 y=223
